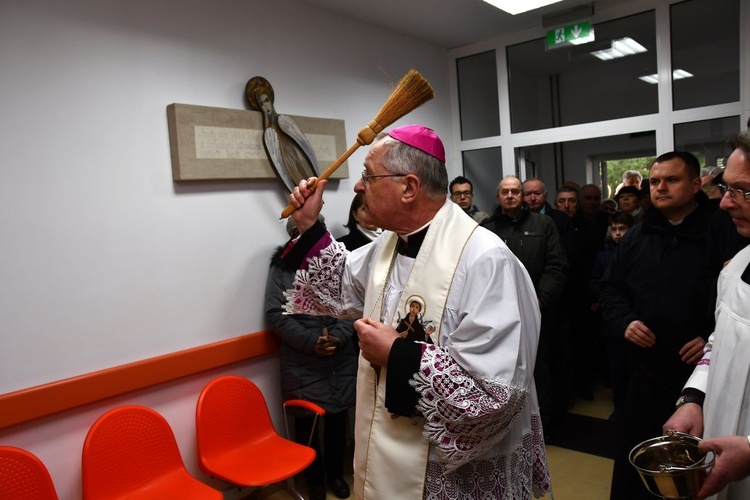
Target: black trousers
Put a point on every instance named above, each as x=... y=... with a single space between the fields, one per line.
x=648 y=406
x=329 y=460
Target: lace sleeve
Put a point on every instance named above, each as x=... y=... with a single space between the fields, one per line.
x=465 y=416
x=317 y=286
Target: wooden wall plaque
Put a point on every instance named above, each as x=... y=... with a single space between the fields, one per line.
x=219 y=143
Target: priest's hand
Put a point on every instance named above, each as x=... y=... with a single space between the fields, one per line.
x=375 y=340
x=688 y=418
x=307 y=199
x=732 y=462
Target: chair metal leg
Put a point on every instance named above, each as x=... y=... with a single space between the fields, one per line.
x=289 y=488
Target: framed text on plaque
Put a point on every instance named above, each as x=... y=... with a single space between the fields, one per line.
x=218 y=143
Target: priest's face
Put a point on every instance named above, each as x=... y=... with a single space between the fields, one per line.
x=414 y=308
x=737 y=176
x=381 y=191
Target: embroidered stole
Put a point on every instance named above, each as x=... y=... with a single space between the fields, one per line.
x=390 y=456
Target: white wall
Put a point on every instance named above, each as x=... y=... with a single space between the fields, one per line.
x=104 y=259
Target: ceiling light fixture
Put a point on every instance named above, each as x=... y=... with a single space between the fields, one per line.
x=514 y=7
x=677 y=74
x=622 y=47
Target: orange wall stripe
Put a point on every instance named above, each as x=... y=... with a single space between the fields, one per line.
x=47 y=399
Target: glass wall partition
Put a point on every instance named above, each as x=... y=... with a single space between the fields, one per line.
x=705 y=52
x=573 y=109
x=584 y=83
x=484 y=168
x=707 y=138
x=477 y=96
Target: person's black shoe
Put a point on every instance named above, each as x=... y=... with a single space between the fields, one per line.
x=339 y=488
x=317 y=491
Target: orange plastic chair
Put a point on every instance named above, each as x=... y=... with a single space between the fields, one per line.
x=131 y=452
x=237 y=442
x=23 y=476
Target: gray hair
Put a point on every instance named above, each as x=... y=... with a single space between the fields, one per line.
x=536 y=179
x=631 y=173
x=742 y=142
x=401 y=158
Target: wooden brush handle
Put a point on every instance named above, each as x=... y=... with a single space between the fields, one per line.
x=290 y=209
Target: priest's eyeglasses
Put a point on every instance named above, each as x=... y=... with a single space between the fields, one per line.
x=366 y=177
x=737 y=194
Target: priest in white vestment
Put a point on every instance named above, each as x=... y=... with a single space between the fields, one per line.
x=722 y=376
x=454 y=416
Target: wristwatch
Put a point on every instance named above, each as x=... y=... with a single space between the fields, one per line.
x=688 y=398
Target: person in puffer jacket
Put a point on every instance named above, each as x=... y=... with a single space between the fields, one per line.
x=318 y=359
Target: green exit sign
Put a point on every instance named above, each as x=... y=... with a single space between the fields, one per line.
x=570 y=35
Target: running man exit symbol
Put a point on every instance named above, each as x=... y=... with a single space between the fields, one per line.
x=570 y=35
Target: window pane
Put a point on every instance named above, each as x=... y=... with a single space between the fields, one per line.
x=569 y=85
x=484 y=168
x=707 y=138
x=477 y=96
x=706 y=44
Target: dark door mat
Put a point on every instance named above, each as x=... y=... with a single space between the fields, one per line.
x=594 y=436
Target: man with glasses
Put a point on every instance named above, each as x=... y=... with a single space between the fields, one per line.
x=713 y=403
x=462 y=194
x=457 y=416
x=655 y=294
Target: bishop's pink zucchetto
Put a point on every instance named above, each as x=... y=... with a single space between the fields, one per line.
x=420 y=137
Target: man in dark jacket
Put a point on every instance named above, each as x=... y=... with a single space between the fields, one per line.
x=654 y=293
x=533 y=238
x=583 y=242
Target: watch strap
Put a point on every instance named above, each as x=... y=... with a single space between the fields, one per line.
x=689 y=398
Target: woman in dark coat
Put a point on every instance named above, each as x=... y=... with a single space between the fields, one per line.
x=319 y=364
x=359 y=234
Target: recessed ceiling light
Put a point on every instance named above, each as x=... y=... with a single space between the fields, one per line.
x=621 y=47
x=677 y=74
x=517 y=6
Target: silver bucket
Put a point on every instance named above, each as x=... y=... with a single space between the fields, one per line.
x=671 y=466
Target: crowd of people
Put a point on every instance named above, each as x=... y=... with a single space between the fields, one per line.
x=475 y=334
